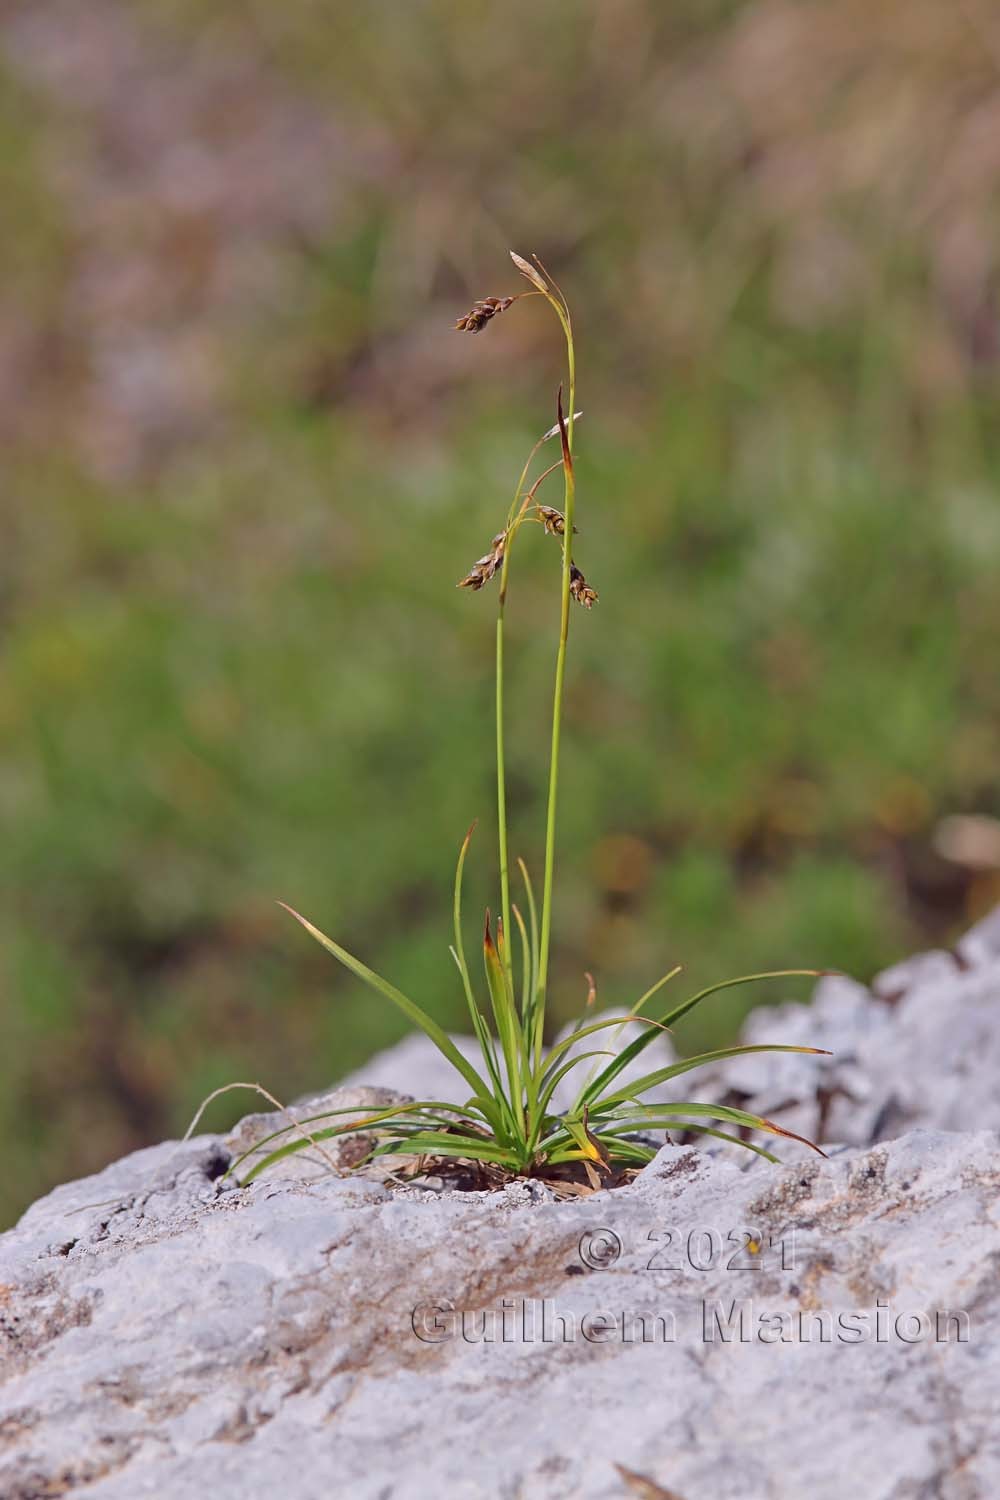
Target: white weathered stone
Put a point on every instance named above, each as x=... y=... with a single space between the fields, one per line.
x=922 y=1048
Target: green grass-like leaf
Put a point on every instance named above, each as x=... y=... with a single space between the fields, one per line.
x=517 y=1131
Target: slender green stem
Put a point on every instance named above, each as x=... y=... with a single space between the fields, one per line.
x=557 y=698
x=513 y=521
x=501 y=776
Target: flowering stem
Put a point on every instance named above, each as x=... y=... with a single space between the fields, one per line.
x=513 y=520
x=534 y=1020
x=501 y=776
x=557 y=699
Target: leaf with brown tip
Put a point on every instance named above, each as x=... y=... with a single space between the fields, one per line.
x=567 y=455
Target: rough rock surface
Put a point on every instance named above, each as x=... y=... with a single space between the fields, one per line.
x=826 y=1327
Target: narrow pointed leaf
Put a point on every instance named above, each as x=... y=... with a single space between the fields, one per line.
x=665 y=1116
x=559 y=1048
x=727 y=984
x=506 y=1020
x=655 y=988
x=626 y=1055
x=409 y=1007
x=553 y=1080
x=459 y=949
x=425 y=1109
x=662 y=1075
x=439 y=1143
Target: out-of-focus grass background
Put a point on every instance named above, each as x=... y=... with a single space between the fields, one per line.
x=245 y=460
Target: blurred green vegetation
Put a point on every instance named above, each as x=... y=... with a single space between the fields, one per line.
x=247 y=460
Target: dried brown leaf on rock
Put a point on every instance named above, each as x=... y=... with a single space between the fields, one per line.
x=645 y=1488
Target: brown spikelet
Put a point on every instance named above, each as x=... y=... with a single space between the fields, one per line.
x=481 y=313
x=580 y=588
x=474 y=579
x=553 y=520
x=483 y=570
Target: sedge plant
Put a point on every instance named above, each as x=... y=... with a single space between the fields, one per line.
x=505 y=1118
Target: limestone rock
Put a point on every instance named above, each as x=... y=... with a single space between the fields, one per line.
x=721 y=1327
